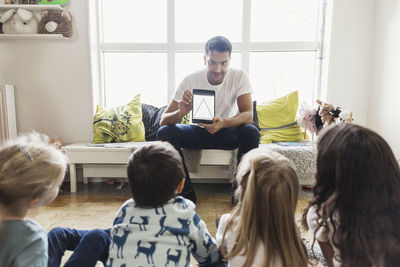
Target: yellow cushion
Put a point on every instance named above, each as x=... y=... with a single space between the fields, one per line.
x=278 y=114
x=119 y=124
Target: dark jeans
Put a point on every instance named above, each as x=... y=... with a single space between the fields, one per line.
x=244 y=138
x=88 y=246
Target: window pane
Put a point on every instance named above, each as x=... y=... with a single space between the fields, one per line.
x=198 y=21
x=128 y=74
x=187 y=63
x=134 y=21
x=275 y=74
x=284 y=20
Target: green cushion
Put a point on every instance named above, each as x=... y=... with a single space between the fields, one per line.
x=277 y=120
x=119 y=124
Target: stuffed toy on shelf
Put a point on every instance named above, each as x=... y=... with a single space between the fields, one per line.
x=29 y=2
x=56 y=22
x=19 y=21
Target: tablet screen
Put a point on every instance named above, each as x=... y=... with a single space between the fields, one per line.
x=203 y=105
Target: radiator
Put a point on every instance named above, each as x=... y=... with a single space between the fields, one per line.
x=8 y=122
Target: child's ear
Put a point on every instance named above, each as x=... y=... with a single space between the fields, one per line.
x=33 y=203
x=180 y=186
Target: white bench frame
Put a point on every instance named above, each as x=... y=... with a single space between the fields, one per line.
x=111 y=162
x=114 y=159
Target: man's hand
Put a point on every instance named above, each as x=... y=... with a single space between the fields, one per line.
x=218 y=124
x=185 y=105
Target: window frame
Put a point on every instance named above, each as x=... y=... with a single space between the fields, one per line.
x=98 y=47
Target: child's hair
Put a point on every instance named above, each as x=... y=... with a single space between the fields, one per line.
x=268 y=188
x=29 y=168
x=357 y=189
x=154 y=172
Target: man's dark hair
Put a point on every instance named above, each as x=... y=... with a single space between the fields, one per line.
x=219 y=44
x=154 y=173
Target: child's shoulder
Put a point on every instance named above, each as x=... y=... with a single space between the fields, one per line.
x=25 y=226
x=27 y=230
x=180 y=204
x=177 y=205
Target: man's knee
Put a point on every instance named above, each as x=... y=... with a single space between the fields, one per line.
x=250 y=131
x=165 y=132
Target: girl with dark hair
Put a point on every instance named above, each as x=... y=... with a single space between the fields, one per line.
x=355 y=211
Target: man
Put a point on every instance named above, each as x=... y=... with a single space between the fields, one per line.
x=231 y=127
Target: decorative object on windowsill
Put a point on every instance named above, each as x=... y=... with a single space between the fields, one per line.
x=345 y=116
x=19 y=21
x=56 y=22
x=314 y=119
x=327 y=114
x=306 y=118
x=53 y=2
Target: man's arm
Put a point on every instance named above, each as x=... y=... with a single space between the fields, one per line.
x=176 y=110
x=245 y=105
x=171 y=115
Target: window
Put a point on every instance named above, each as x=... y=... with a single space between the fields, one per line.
x=147 y=47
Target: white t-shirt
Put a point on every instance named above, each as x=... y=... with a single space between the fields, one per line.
x=238 y=260
x=324 y=234
x=235 y=84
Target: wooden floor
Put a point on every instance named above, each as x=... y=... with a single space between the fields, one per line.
x=88 y=209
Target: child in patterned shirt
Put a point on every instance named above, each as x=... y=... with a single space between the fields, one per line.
x=156 y=227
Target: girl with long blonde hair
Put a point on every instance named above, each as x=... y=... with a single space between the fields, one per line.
x=261 y=230
x=31 y=171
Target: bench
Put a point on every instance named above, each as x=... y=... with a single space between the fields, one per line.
x=110 y=160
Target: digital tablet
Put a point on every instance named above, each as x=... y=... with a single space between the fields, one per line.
x=203 y=109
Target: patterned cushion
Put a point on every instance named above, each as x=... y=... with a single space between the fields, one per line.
x=255 y=117
x=119 y=124
x=151 y=119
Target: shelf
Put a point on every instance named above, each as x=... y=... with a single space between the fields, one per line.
x=32 y=36
x=31 y=7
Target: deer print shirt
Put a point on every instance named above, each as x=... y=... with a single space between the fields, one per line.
x=162 y=236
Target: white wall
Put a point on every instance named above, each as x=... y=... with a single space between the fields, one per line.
x=52 y=80
x=349 y=62
x=385 y=92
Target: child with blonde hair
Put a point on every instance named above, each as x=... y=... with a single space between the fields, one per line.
x=261 y=229
x=31 y=171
